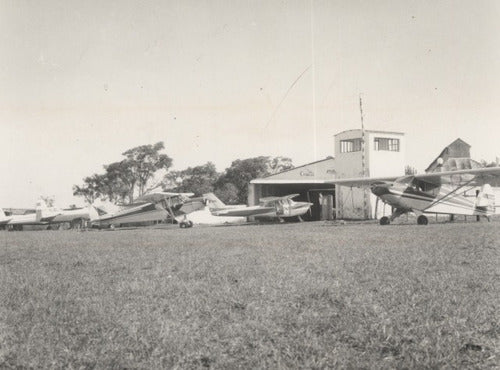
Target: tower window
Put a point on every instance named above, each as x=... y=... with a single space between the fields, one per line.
x=382 y=143
x=353 y=145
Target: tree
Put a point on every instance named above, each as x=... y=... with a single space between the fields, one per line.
x=90 y=190
x=48 y=200
x=142 y=163
x=242 y=171
x=118 y=183
x=279 y=164
x=107 y=186
x=228 y=193
x=198 y=179
x=124 y=180
x=409 y=170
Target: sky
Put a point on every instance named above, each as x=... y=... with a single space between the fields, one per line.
x=218 y=80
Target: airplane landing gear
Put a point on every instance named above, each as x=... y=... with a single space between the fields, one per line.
x=384 y=221
x=186 y=224
x=422 y=220
x=387 y=220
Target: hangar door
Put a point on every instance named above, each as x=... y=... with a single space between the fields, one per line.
x=321 y=195
x=323 y=204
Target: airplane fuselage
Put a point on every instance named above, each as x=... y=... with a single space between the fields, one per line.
x=288 y=208
x=443 y=199
x=150 y=212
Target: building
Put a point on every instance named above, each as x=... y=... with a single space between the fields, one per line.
x=310 y=181
x=383 y=155
x=455 y=156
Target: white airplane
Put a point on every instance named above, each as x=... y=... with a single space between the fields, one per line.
x=462 y=192
x=152 y=207
x=272 y=207
x=17 y=222
x=45 y=216
x=4 y=219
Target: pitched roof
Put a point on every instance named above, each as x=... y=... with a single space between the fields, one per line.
x=457 y=141
x=317 y=171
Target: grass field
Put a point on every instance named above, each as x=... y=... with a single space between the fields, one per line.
x=309 y=295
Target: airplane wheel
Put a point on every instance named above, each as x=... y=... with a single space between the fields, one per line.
x=422 y=220
x=190 y=223
x=183 y=225
x=384 y=221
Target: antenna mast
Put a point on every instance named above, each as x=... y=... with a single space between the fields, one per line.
x=363 y=163
x=363 y=159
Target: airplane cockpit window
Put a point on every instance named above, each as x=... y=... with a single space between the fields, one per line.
x=416 y=185
x=427 y=187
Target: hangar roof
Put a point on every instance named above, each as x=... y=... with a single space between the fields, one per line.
x=371 y=132
x=316 y=172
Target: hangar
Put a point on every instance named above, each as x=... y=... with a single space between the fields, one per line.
x=383 y=155
x=309 y=181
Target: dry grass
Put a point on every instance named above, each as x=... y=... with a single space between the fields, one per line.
x=307 y=295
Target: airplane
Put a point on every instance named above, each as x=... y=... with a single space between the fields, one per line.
x=447 y=192
x=151 y=207
x=273 y=207
x=45 y=216
x=17 y=222
x=4 y=219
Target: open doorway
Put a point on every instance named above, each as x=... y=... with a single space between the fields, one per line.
x=323 y=204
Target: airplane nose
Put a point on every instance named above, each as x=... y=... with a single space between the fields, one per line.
x=380 y=190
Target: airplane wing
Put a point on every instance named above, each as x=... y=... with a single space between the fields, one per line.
x=363 y=181
x=245 y=211
x=5 y=221
x=22 y=220
x=191 y=205
x=126 y=211
x=274 y=199
x=49 y=218
x=160 y=195
x=474 y=177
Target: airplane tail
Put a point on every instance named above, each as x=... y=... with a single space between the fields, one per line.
x=485 y=202
x=43 y=212
x=41 y=209
x=95 y=213
x=213 y=202
x=2 y=214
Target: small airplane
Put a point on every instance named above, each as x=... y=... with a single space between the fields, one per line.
x=73 y=216
x=45 y=216
x=4 y=219
x=152 y=207
x=461 y=192
x=273 y=207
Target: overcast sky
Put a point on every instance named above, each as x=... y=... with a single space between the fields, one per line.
x=83 y=81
